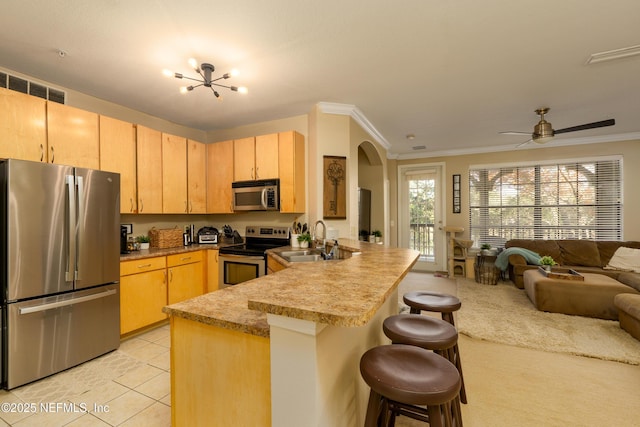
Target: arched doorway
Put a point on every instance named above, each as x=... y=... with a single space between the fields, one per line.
x=372 y=194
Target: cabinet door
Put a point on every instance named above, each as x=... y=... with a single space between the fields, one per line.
x=197 y=176
x=142 y=297
x=219 y=177
x=185 y=281
x=73 y=136
x=118 y=154
x=244 y=159
x=149 y=167
x=292 y=171
x=212 y=270
x=266 y=156
x=174 y=174
x=23 y=126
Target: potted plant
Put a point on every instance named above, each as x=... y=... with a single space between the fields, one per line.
x=547 y=262
x=304 y=239
x=144 y=241
x=486 y=249
x=378 y=235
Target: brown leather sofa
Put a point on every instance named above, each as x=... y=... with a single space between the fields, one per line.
x=584 y=256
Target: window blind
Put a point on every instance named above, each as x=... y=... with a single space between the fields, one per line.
x=568 y=200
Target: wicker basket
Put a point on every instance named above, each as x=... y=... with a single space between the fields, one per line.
x=165 y=238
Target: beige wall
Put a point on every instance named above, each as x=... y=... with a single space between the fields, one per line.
x=629 y=150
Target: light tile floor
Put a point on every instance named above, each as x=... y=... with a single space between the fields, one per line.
x=127 y=387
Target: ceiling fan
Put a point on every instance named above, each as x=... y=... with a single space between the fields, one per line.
x=543 y=132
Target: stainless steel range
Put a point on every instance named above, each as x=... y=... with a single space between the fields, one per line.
x=246 y=261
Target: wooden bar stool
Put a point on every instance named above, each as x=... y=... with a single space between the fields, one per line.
x=405 y=379
x=444 y=304
x=429 y=333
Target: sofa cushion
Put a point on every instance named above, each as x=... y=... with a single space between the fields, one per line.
x=630 y=279
x=580 y=252
x=608 y=247
x=543 y=247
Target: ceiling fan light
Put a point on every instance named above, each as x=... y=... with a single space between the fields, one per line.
x=542 y=139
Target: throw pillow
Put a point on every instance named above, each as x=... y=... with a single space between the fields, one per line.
x=627 y=259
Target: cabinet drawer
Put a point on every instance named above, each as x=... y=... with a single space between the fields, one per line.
x=142 y=265
x=184 y=258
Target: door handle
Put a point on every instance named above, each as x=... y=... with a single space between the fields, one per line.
x=57 y=304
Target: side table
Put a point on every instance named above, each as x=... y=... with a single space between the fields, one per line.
x=485 y=269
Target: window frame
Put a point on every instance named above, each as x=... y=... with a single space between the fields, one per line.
x=483 y=209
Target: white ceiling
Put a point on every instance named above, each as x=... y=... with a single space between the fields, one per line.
x=454 y=73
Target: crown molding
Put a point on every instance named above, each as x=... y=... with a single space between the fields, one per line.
x=357 y=115
x=532 y=146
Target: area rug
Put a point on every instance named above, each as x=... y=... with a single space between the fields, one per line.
x=504 y=314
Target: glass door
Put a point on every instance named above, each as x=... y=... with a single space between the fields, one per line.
x=420 y=214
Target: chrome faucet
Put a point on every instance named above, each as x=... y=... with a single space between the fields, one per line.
x=324 y=233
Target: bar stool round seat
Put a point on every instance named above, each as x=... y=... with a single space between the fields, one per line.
x=432 y=301
x=402 y=375
x=422 y=331
x=429 y=333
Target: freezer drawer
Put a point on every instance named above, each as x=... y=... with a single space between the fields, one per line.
x=48 y=335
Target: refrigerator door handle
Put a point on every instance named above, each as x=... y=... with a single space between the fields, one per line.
x=80 y=214
x=43 y=307
x=71 y=231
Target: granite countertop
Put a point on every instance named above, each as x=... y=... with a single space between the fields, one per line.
x=150 y=253
x=345 y=292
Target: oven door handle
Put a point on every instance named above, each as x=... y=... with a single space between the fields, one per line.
x=242 y=257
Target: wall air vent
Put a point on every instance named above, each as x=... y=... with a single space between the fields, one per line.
x=31 y=88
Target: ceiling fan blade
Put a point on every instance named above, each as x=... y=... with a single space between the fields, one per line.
x=524 y=143
x=600 y=124
x=513 y=132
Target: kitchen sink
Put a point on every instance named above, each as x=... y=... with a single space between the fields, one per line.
x=304 y=258
x=302 y=255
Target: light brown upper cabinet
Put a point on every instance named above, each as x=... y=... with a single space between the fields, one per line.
x=219 y=177
x=256 y=158
x=73 y=136
x=149 y=170
x=174 y=174
x=292 y=172
x=197 y=176
x=23 y=126
x=118 y=154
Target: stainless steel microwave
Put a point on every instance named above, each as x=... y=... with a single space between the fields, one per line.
x=260 y=195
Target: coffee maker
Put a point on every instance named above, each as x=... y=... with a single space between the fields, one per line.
x=123 y=240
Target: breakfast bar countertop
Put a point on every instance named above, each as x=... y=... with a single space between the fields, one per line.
x=345 y=292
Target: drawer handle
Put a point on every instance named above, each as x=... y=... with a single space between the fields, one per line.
x=187 y=258
x=144 y=265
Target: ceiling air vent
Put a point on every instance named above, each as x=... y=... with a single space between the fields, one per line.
x=31 y=88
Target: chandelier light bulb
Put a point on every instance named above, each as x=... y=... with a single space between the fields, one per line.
x=234 y=72
x=243 y=89
x=183 y=89
x=193 y=63
x=167 y=72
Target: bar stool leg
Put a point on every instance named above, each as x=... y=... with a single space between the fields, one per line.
x=458 y=363
x=374 y=410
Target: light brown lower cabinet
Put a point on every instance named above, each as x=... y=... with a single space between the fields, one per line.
x=185 y=275
x=143 y=293
x=149 y=284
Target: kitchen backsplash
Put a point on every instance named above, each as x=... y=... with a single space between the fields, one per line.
x=142 y=223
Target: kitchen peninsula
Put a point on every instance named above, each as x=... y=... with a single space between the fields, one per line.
x=284 y=349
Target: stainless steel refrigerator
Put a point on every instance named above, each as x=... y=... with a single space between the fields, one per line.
x=59 y=268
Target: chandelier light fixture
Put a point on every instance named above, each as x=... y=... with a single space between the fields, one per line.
x=205 y=71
